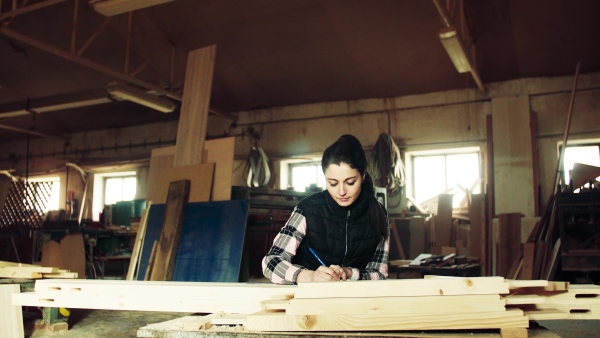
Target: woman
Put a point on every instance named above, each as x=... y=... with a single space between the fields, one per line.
x=338 y=234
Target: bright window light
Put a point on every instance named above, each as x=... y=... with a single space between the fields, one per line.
x=119 y=189
x=434 y=174
x=302 y=175
x=589 y=155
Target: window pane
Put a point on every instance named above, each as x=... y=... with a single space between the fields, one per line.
x=114 y=190
x=429 y=176
x=584 y=155
x=303 y=176
x=129 y=187
x=54 y=196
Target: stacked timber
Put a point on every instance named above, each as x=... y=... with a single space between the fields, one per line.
x=32 y=271
x=202 y=297
x=557 y=300
x=393 y=305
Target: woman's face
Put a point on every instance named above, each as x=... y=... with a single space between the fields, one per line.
x=343 y=183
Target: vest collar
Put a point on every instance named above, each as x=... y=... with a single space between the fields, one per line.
x=357 y=208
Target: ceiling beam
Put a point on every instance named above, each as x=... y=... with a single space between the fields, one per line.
x=54 y=103
x=98 y=67
x=455 y=47
x=84 y=62
x=29 y=8
x=116 y=7
x=31 y=132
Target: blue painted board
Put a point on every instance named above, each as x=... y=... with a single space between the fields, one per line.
x=212 y=240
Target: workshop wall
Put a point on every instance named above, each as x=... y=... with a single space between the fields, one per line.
x=435 y=120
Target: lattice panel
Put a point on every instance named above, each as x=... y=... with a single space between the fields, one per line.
x=25 y=205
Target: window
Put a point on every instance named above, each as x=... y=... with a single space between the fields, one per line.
x=444 y=171
x=587 y=152
x=110 y=188
x=303 y=174
x=118 y=189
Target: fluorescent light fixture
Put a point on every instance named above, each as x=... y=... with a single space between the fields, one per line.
x=115 y=7
x=456 y=49
x=125 y=92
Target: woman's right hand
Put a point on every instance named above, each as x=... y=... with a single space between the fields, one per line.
x=322 y=274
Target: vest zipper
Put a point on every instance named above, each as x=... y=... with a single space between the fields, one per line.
x=346 y=250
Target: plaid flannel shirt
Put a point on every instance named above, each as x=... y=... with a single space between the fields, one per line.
x=277 y=264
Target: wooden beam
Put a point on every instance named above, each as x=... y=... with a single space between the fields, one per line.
x=405 y=287
x=30 y=8
x=278 y=321
x=31 y=132
x=84 y=62
x=191 y=133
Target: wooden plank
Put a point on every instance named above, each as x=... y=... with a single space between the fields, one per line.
x=200 y=177
x=404 y=287
x=11 y=320
x=151 y=261
x=546 y=314
x=394 y=229
x=486 y=254
x=513 y=332
x=281 y=304
x=426 y=305
x=137 y=246
x=193 y=117
x=17 y=274
x=61 y=275
x=40 y=269
x=523 y=299
x=221 y=153
x=277 y=322
x=509 y=241
x=229 y=319
x=166 y=250
x=528 y=255
x=515 y=284
x=443 y=221
x=477 y=223
x=160 y=159
x=416 y=228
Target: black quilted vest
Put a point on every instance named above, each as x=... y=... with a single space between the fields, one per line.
x=339 y=235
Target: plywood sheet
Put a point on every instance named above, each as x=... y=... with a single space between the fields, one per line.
x=211 y=243
x=218 y=151
x=509 y=241
x=200 y=177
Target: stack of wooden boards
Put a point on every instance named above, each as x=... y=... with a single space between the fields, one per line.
x=31 y=271
x=437 y=303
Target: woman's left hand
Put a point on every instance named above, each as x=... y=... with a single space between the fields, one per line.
x=345 y=273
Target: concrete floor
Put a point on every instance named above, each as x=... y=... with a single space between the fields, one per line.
x=102 y=323
x=124 y=324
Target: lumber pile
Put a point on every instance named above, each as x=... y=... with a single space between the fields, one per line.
x=393 y=305
x=31 y=271
x=558 y=300
x=202 y=297
x=433 y=303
